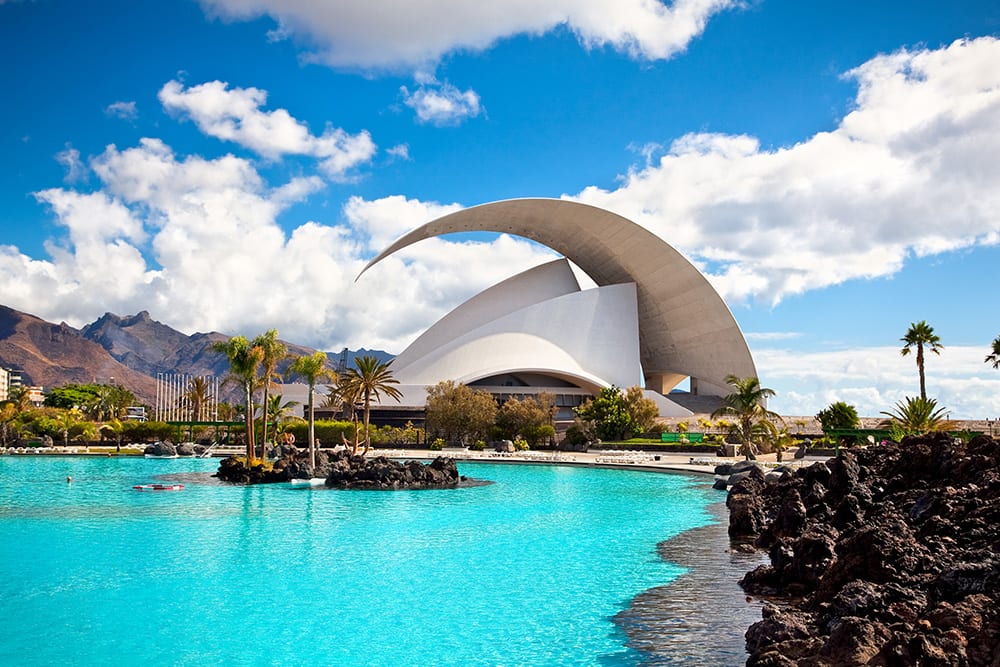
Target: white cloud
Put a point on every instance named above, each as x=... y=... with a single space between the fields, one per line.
x=196 y=241
x=910 y=171
x=384 y=220
x=123 y=110
x=235 y=115
x=400 y=151
x=441 y=103
x=398 y=33
x=874 y=379
x=772 y=335
x=76 y=170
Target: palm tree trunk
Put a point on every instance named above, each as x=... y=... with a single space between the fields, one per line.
x=263 y=435
x=920 y=371
x=368 y=408
x=248 y=415
x=312 y=430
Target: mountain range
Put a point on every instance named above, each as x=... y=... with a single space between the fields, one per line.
x=130 y=351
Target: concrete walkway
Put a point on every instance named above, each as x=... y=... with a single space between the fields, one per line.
x=696 y=462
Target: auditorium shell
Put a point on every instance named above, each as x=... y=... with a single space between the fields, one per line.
x=652 y=319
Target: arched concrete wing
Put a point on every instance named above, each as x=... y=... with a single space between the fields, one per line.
x=685 y=328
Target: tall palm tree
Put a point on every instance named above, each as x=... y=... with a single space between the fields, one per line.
x=369 y=380
x=918 y=335
x=994 y=356
x=197 y=397
x=748 y=406
x=312 y=368
x=273 y=351
x=244 y=359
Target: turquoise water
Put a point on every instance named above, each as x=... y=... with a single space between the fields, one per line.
x=529 y=570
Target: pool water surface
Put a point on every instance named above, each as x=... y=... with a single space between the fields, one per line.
x=529 y=570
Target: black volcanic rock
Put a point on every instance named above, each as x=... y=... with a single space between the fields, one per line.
x=887 y=556
x=341 y=470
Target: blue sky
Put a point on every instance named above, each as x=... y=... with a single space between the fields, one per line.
x=231 y=165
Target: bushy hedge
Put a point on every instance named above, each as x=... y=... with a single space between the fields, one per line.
x=330 y=433
x=136 y=431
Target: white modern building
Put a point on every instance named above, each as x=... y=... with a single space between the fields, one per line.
x=652 y=320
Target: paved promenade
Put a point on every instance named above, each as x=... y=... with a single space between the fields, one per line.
x=698 y=462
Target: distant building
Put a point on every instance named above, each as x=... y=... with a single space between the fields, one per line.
x=10 y=379
x=36 y=395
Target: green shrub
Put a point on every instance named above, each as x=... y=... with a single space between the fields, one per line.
x=520 y=444
x=437 y=445
x=478 y=445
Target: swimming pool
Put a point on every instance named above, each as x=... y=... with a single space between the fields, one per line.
x=529 y=570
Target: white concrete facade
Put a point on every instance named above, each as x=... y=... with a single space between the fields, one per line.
x=653 y=319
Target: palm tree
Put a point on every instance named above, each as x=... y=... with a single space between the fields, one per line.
x=369 y=380
x=918 y=335
x=277 y=413
x=747 y=405
x=244 y=359
x=312 y=368
x=66 y=421
x=197 y=397
x=20 y=398
x=914 y=416
x=994 y=356
x=273 y=351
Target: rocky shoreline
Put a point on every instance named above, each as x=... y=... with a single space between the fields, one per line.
x=882 y=556
x=342 y=470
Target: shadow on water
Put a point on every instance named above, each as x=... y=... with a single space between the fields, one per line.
x=700 y=617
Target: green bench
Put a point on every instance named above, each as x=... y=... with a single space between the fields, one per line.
x=676 y=437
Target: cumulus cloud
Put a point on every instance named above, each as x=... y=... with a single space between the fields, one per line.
x=123 y=110
x=874 y=379
x=441 y=104
x=234 y=114
x=196 y=241
x=911 y=170
x=396 y=33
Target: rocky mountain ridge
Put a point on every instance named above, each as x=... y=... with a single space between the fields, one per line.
x=128 y=350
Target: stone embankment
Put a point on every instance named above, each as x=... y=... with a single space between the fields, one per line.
x=343 y=471
x=882 y=556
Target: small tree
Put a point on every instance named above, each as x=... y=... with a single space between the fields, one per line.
x=643 y=411
x=609 y=415
x=459 y=412
x=837 y=416
x=530 y=418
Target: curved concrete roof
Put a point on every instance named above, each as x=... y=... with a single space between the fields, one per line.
x=685 y=328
